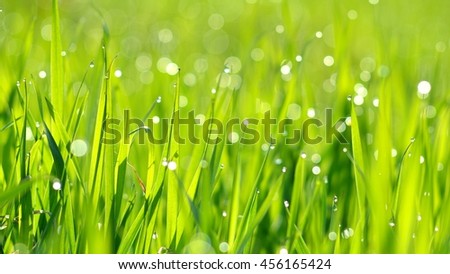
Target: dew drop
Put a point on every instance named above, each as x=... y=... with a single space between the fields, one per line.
x=286 y=204
x=332 y=236
x=227 y=70
x=224 y=247
x=303 y=155
x=412 y=140
x=42 y=74
x=213 y=91
x=154 y=236
x=56 y=184
x=284 y=251
x=165 y=162
x=284 y=169
x=158 y=100
x=422 y=159
x=316 y=170
x=224 y=214
x=349 y=98
x=91 y=65
x=63 y=53
x=172 y=165
x=78 y=148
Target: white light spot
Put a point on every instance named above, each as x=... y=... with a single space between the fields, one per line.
x=204 y=164
x=352 y=14
x=348 y=121
x=118 y=73
x=422 y=159
x=373 y=2
x=365 y=76
x=42 y=74
x=332 y=236
x=376 y=102
x=430 y=112
x=165 y=35
x=46 y=32
x=143 y=62
x=257 y=54
x=56 y=184
x=216 y=21
x=190 y=79
x=284 y=251
x=172 y=165
x=183 y=101
x=155 y=236
x=316 y=170
x=223 y=247
x=298 y=58
x=172 y=68
x=224 y=214
x=311 y=113
x=285 y=69
x=78 y=148
x=213 y=91
x=316 y=158
x=156 y=119
x=29 y=134
x=303 y=155
x=319 y=34
x=393 y=152
x=165 y=162
x=423 y=89
x=328 y=61
x=358 y=100
x=286 y=204
x=419 y=218
x=233 y=137
x=234 y=64
x=279 y=29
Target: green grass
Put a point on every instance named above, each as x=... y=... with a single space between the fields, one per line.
x=67 y=66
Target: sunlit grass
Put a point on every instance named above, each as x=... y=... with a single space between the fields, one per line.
x=381 y=67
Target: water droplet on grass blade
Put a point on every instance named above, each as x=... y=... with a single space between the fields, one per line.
x=332 y=236
x=316 y=170
x=286 y=204
x=158 y=100
x=172 y=165
x=154 y=236
x=349 y=98
x=223 y=247
x=284 y=169
x=78 y=148
x=412 y=140
x=91 y=64
x=56 y=184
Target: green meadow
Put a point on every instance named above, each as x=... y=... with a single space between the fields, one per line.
x=88 y=86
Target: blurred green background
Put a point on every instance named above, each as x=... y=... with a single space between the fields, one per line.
x=294 y=58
